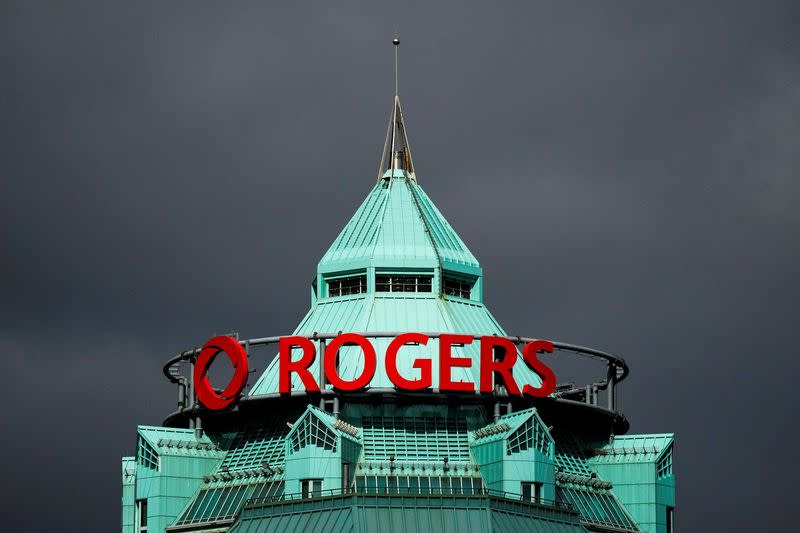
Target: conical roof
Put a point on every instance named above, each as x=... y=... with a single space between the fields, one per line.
x=398 y=226
x=397 y=231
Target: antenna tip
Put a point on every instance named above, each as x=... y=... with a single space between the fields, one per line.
x=396 y=41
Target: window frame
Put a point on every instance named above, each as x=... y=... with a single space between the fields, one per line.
x=332 y=281
x=460 y=291
x=422 y=282
x=670 y=519
x=533 y=490
x=310 y=488
x=141 y=512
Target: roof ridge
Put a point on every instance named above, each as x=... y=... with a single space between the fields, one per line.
x=431 y=240
x=386 y=194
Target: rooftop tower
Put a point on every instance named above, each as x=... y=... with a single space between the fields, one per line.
x=386 y=458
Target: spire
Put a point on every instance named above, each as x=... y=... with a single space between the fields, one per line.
x=396 y=158
x=396 y=43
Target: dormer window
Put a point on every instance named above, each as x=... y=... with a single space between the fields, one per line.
x=347 y=285
x=457 y=287
x=403 y=282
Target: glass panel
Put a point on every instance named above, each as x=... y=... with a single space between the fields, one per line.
x=415 y=438
x=347 y=286
x=382 y=283
x=403 y=283
x=455 y=485
x=142 y=515
x=454 y=287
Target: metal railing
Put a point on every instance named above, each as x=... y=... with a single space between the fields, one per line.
x=617 y=368
x=441 y=492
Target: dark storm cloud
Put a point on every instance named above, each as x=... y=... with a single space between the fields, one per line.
x=626 y=173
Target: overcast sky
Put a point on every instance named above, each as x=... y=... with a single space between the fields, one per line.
x=626 y=172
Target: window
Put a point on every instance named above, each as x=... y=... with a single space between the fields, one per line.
x=312 y=431
x=311 y=488
x=670 y=519
x=141 y=516
x=664 y=466
x=346 y=286
x=403 y=283
x=146 y=455
x=530 y=434
x=456 y=287
x=391 y=484
x=532 y=491
x=410 y=438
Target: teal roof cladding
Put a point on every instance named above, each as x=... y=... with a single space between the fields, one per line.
x=405 y=513
x=504 y=426
x=397 y=226
x=634 y=448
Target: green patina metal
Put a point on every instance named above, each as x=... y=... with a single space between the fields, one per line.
x=406 y=513
x=640 y=469
x=391 y=462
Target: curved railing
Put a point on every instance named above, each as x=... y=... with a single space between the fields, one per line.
x=616 y=367
x=481 y=492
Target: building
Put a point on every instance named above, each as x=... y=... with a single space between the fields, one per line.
x=384 y=458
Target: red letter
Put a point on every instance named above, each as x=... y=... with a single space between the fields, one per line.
x=502 y=367
x=370 y=362
x=424 y=365
x=205 y=394
x=447 y=361
x=547 y=375
x=286 y=366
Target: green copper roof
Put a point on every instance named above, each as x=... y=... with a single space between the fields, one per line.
x=504 y=426
x=397 y=226
x=634 y=448
x=405 y=513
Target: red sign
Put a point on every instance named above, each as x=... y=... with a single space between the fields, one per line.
x=207 y=395
x=492 y=369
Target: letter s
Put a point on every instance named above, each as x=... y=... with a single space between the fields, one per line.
x=548 y=376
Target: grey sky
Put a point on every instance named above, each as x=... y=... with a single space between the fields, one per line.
x=626 y=172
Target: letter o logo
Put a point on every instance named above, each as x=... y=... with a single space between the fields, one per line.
x=205 y=394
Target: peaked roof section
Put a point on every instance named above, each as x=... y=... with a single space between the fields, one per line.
x=397 y=225
x=505 y=426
